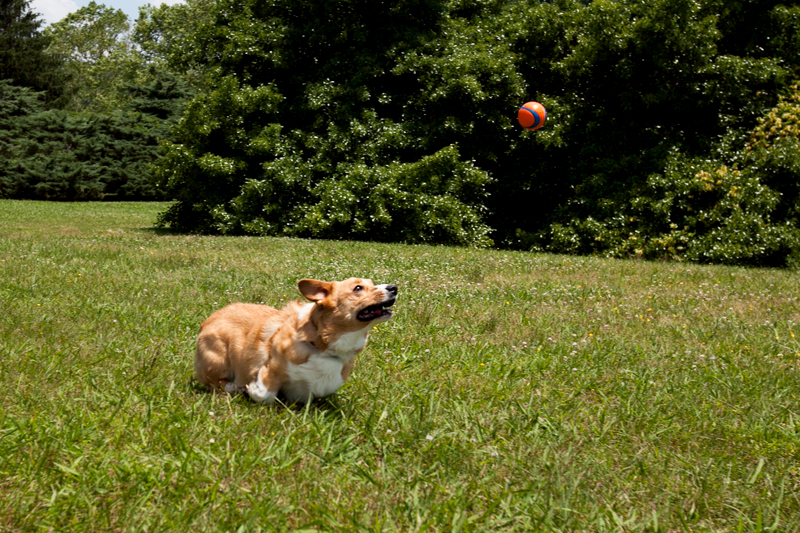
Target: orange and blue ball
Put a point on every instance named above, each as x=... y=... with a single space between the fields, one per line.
x=532 y=115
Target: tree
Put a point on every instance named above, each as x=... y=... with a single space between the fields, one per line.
x=118 y=110
x=172 y=38
x=15 y=103
x=312 y=107
x=303 y=132
x=163 y=97
x=60 y=155
x=99 y=57
x=22 y=51
x=631 y=85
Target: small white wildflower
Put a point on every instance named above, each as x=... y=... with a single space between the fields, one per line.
x=429 y=437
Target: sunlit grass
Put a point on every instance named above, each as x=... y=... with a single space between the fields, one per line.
x=511 y=391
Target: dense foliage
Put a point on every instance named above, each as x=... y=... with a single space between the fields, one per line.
x=94 y=135
x=61 y=155
x=667 y=92
x=394 y=121
x=165 y=37
x=99 y=57
x=23 y=56
x=302 y=133
x=314 y=111
x=740 y=203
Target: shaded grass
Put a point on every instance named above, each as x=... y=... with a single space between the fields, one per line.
x=512 y=391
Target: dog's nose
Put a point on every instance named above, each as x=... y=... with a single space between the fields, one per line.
x=392 y=289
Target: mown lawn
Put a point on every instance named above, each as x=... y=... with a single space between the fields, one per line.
x=511 y=392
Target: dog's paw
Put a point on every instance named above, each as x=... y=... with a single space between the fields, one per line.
x=259 y=393
x=232 y=388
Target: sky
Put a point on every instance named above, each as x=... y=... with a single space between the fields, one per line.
x=55 y=10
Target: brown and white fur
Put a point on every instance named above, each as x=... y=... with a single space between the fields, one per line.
x=305 y=350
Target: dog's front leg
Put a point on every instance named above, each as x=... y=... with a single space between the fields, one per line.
x=264 y=389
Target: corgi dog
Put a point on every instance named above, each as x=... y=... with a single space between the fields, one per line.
x=304 y=351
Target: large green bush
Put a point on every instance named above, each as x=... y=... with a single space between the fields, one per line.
x=315 y=109
x=706 y=211
x=740 y=204
x=233 y=178
x=304 y=131
x=644 y=93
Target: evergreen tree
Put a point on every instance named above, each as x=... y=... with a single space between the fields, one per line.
x=15 y=103
x=23 y=56
x=163 y=97
x=60 y=155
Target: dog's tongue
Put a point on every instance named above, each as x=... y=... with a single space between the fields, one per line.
x=374 y=311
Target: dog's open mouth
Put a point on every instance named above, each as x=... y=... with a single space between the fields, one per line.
x=376 y=311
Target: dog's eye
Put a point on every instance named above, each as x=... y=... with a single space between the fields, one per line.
x=358 y=288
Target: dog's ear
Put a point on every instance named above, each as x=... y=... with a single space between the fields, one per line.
x=314 y=290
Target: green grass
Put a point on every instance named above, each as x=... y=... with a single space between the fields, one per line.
x=511 y=392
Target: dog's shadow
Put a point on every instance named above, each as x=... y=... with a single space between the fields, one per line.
x=330 y=405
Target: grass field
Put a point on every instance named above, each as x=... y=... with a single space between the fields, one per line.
x=511 y=392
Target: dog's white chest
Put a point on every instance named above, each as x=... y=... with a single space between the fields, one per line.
x=321 y=375
x=349 y=344
x=318 y=377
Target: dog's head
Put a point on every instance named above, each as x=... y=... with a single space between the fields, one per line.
x=353 y=303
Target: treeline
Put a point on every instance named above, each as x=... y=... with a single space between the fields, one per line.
x=672 y=130
x=83 y=110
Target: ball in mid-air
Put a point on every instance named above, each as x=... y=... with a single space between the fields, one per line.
x=532 y=115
